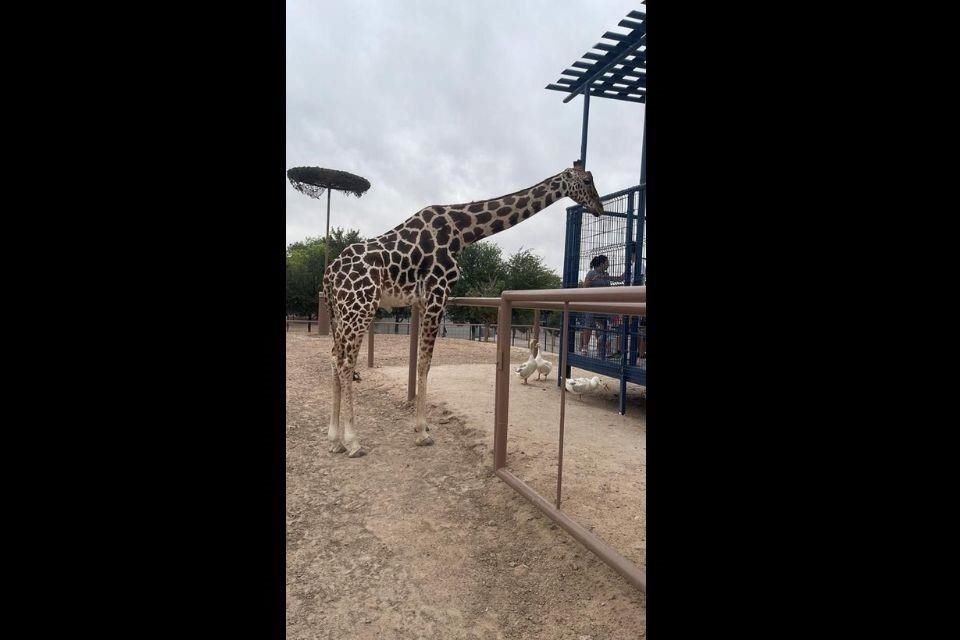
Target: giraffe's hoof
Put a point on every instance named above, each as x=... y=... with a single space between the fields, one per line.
x=424 y=440
x=356 y=451
x=336 y=447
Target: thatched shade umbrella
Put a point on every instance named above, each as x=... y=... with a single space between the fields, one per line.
x=313 y=181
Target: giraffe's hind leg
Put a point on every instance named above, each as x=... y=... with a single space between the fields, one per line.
x=429 y=324
x=334 y=432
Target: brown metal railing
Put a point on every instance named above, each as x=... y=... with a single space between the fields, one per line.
x=629 y=300
x=620 y=300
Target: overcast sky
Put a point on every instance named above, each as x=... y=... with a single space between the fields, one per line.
x=442 y=102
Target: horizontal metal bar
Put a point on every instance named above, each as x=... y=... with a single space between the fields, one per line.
x=627 y=87
x=599 y=94
x=622 y=192
x=627 y=97
x=637 y=15
x=614 y=196
x=629 y=308
x=610 y=84
x=604 y=551
x=466 y=301
x=613 y=92
x=629 y=24
x=638 y=55
x=601 y=84
x=628 y=69
x=613 y=35
x=621 y=74
x=588 y=294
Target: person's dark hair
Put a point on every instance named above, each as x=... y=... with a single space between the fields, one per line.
x=597 y=260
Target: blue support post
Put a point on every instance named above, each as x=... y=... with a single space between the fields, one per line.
x=639 y=274
x=571 y=269
x=586 y=120
x=625 y=346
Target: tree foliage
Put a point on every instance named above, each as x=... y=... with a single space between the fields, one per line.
x=305 y=268
x=526 y=270
x=481 y=276
x=484 y=273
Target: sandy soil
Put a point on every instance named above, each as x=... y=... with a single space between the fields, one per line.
x=425 y=542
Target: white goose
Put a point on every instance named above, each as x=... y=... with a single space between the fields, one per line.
x=527 y=368
x=543 y=366
x=586 y=385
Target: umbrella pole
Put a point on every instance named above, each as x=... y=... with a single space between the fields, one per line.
x=323 y=326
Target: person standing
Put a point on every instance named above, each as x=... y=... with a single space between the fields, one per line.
x=596 y=277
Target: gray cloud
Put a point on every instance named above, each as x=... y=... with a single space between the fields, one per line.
x=438 y=102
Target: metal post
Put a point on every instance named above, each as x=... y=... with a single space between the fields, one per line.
x=323 y=315
x=370 y=345
x=643 y=149
x=502 y=389
x=326 y=240
x=414 y=335
x=563 y=403
x=625 y=347
x=639 y=277
x=586 y=118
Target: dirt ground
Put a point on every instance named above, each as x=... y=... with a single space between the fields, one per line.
x=425 y=542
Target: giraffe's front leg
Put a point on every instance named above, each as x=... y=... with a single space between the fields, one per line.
x=334 y=433
x=423 y=435
x=429 y=324
x=353 y=339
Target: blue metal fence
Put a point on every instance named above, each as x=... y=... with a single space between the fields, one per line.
x=606 y=344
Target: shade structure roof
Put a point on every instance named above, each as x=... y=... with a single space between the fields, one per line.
x=616 y=69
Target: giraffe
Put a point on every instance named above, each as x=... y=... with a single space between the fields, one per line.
x=415 y=264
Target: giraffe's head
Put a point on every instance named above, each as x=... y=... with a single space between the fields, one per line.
x=578 y=184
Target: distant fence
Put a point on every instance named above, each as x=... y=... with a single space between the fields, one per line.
x=520 y=335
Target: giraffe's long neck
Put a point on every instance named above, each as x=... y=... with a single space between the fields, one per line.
x=479 y=220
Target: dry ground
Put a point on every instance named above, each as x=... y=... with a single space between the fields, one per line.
x=425 y=542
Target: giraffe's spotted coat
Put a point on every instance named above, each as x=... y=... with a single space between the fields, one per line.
x=415 y=264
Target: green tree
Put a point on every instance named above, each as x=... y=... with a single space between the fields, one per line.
x=305 y=268
x=526 y=270
x=482 y=275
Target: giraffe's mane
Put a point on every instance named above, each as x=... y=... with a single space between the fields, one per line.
x=506 y=195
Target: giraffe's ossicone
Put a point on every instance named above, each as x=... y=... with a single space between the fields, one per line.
x=415 y=264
